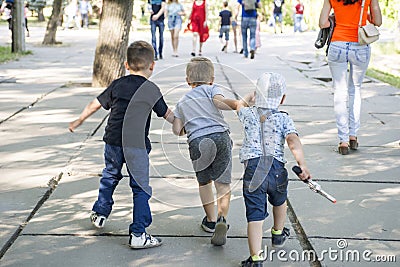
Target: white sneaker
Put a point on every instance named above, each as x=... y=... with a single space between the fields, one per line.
x=98 y=220
x=144 y=241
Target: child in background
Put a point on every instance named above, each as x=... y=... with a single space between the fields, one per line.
x=225 y=15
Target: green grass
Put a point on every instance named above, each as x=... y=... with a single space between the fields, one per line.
x=387 y=48
x=6 y=55
x=384 y=77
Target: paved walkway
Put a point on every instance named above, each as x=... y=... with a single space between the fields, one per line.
x=49 y=177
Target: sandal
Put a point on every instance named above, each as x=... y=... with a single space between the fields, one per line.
x=353 y=144
x=343 y=150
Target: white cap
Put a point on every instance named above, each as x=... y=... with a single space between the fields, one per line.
x=270 y=89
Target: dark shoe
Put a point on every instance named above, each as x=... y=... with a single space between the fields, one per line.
x=223 y=48
x=219 y=236
x=343 y=150
x=241 y=51
x=208 y=226
x=155 y=58
x=280 y=240
x=161 y=57
x=250 y=263
x=252 y=54
x=193 y=54
x=353 y=144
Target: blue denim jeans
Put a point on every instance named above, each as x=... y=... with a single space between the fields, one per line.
x=251 y=24
x=347 y=84
x=153 y=26
x=114 y=159
x=297 y=22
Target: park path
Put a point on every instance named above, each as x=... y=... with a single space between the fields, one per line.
x=49 y=177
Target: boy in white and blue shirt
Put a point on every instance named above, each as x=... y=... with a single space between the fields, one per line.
x=262 y=152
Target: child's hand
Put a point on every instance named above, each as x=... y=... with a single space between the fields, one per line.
x=250 y=98
x=74 y=124
x=305 y=173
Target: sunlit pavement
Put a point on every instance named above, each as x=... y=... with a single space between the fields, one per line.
x=49 y=177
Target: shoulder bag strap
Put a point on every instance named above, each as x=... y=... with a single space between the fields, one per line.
x=361 y=13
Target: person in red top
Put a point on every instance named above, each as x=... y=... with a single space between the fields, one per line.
x=346 y=53
x=198 y=24
x=298 y=16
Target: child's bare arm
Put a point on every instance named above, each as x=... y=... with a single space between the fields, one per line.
x=91 y=108
x=169 y=116
x=296 y=148
x=225 y=103
x=178 y=127
x=231 y=104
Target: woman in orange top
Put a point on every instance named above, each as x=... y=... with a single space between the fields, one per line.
x=344 y=51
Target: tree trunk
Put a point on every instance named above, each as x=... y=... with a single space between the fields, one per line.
x=40 y=14
x=18 y=27
x=115 y=23
x=51 y=30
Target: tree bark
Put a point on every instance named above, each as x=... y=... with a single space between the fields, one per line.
x=18 y=27
x=40 y=14
x=115 y=24
x=51 y=30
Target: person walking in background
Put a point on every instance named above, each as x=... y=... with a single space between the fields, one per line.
x=6 y=10
x=157 y=10
x=249 y=23
x=236 y=28
x=298 y=16
x=175 y=12
x=85 y=9
x=198 y=25
x=225 y=15
x=26 y=13
x=258 y=29
x=278 y=15
x=348 y=62
x=71 y=10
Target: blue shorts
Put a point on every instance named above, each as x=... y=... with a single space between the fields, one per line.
x=278 y=17
x=224 y=30
x=274 y=185
x=174 y=22
x=211 y=157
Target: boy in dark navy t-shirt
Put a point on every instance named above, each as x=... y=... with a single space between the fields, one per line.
x=226 y=16
x=131 y=99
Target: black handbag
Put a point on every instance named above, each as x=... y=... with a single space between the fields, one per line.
x=325 y=34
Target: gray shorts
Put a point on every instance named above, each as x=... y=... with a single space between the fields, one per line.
x=211 y=157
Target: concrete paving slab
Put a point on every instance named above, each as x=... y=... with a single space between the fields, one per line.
x=361 y=165
x=357 y=252
x=97 y=251
x=368 y=206
x=175 y=205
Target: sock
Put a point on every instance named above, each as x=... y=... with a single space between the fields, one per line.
x=256 y=258
x=276 y=232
